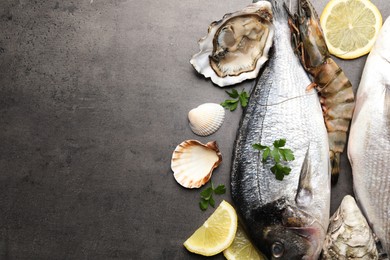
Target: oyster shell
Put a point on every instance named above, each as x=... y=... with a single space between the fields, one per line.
x=349 y=236
x=237 y=46
x=193 y=162
x=206 y=119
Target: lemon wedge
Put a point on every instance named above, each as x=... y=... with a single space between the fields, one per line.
x=242 y=248
x=350 y=27
x=216 y=234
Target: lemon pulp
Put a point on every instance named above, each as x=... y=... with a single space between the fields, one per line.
x=216 y=234
x=350 y=27
x=242 y=248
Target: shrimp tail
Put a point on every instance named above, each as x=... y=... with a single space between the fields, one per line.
x=335 y=165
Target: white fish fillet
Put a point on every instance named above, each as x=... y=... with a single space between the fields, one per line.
x=369 y=140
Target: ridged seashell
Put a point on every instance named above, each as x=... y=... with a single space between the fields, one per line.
x=206 y=119
x=193 y=162
x=237 y=46
x=349 y=236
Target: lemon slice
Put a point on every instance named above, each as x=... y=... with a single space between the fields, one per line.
x=242 y=248
x=216 y=234
x=350 y=27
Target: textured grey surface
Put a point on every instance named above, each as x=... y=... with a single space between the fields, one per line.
x=94 y=98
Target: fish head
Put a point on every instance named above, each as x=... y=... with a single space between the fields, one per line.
x=289 y=233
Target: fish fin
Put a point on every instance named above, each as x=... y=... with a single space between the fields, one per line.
x=304 y=192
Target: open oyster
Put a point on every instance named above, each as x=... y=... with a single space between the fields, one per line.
x=237 y=46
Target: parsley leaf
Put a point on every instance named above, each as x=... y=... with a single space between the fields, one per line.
x=230 y=104
x=280 y=171
x=203 y=204
x=259 y=146
x=233 y=94
x=241 y=98
x=287 y=154
x=277 y=154
x=206 y=196
x=212 y=202
x=279 y=143
x=207 y=193
x=266 y=153
x=220 y=190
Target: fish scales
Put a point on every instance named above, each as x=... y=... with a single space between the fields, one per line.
x=369 y=140
x=280 y=107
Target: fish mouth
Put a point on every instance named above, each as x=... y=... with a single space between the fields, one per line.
x=313 y=235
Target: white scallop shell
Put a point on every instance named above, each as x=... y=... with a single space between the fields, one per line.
x=206 y=119
x=349 y=235
x=193 y=162
x=237 y=46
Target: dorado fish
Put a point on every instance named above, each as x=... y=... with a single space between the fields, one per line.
x=369 y=140
x=286 y=219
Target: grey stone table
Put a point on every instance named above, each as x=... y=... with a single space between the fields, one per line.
x=94 y=99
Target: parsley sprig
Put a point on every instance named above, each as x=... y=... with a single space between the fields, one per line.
x=207 y=196
x=232 y=104
x=278 y=154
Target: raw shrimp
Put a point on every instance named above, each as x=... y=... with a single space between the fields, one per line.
x=334 y=88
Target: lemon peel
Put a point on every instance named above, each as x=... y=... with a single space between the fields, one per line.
x=216 y=233
x=242 y=248
x=350 y=27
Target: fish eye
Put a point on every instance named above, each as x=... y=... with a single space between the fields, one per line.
x=277 y=249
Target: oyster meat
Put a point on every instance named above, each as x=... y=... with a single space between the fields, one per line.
x=349 y=235
x=237 y=46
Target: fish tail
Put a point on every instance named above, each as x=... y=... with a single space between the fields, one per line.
x=277 y=8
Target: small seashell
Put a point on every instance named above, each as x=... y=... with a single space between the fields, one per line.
x=206 y=119
x=193 y=162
